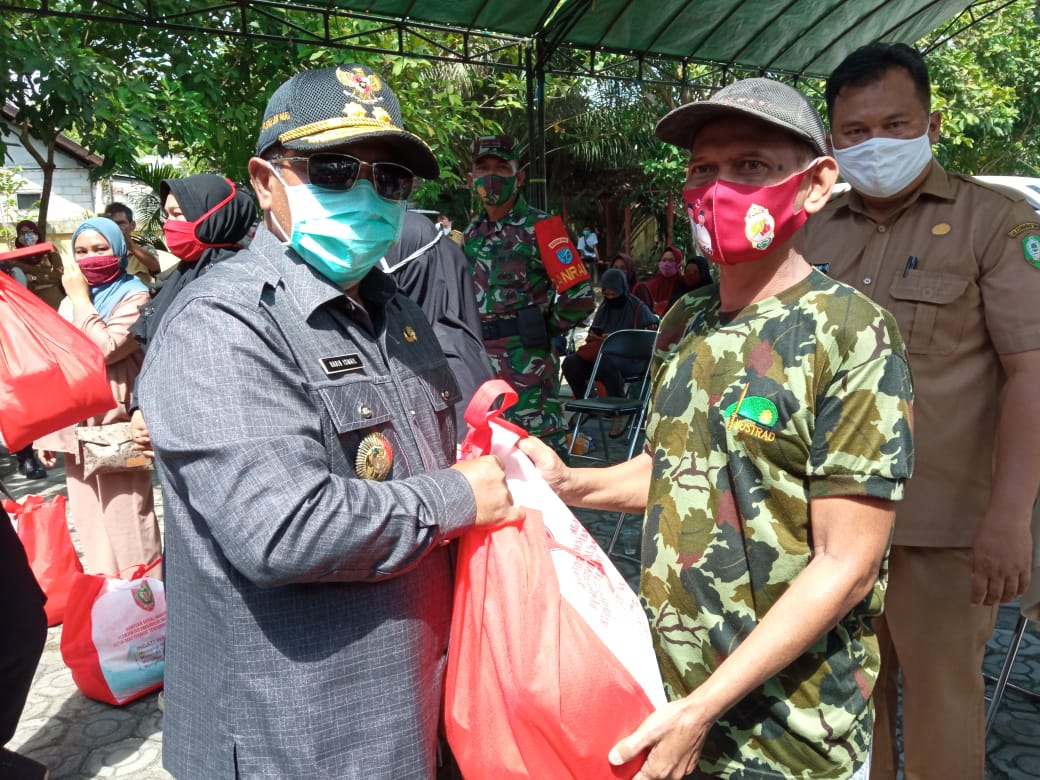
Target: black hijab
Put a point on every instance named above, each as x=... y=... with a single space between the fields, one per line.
x=625 y=311
x=228 y=225
x=231 y=224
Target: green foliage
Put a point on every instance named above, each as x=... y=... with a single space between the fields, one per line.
x=986 y=82
x=10 y=182
x=146 y=205
x=126 y=92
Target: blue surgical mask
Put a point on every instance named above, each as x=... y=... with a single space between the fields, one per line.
x=341 y=235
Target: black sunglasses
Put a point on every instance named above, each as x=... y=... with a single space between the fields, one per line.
x=339 y=172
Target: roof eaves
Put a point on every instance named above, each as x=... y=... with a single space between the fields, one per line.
x=63 y=142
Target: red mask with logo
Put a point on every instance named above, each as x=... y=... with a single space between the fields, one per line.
x=99 y=269
x=180 y=234
x=740 y=223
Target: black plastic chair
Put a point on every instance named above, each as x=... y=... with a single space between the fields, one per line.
x=632 y=346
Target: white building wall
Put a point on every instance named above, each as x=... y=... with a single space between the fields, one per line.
x=73 y=195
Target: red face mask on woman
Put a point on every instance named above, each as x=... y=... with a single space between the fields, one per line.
x=180 y=234
x=739 y=223
x=99 y=269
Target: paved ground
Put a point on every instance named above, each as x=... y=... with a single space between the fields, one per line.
x=79 y=738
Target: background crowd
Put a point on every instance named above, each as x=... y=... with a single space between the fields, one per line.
x=840 y=465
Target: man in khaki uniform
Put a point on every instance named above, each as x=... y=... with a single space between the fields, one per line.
x=958 y=264
x=142 y=262
x=42 y=272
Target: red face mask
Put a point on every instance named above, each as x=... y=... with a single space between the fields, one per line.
x=99 y=269
x=180 y=234
x=740 y=223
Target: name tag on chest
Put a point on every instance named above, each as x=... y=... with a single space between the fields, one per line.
x=342 y=364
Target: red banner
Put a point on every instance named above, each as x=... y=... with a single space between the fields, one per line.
x=559 y=255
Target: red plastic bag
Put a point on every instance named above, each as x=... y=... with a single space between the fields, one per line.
x=51 y=374
x=114 y=637
x=44 y=532
x=28 y=254
x=550 y=661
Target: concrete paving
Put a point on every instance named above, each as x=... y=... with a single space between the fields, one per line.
x=79 y=738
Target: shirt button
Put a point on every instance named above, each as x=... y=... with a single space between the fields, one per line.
x=445 y=395
x=881 y=228
x=868 y=280
x=366 y=412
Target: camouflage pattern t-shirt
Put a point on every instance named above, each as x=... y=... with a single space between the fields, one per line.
x=755 y=413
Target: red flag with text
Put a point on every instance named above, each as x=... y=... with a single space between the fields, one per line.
x=560 y=257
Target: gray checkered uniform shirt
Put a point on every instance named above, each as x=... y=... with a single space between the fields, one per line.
x=308 y=608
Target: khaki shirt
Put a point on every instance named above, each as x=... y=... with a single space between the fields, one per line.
x=974 y=295
x=135 y=267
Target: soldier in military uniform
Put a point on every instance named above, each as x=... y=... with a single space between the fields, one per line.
x=777 y=445
x=520 y=308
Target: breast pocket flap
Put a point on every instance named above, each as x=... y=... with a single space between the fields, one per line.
x=929 y=287
x=353 y=406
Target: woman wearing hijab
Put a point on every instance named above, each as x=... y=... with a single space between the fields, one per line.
x=695 y=274
x=208 y=219
x=619 y=310
x=113 y=512
x=624 y=262
x=663 y=283
x=42 y=271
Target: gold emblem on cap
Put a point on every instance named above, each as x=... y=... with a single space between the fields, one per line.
x=355 y=111
x=941 y=229
x=365 y=86
x=374 y=458
x=410 y=335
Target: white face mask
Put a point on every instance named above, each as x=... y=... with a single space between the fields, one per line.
x=883 y=167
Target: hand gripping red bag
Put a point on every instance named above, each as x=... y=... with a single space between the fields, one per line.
x=550 y=661
x=114 y=638
x=44 y=531
x=51 y=374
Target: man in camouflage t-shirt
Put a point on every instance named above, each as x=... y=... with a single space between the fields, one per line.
x=777 y=443
x=520 y=309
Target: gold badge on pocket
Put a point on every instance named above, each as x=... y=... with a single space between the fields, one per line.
x=374 y=458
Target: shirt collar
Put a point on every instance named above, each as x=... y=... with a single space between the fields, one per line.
x=517 y=215
x=310 y=289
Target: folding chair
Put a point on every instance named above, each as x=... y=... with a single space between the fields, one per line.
x=636 y=346
x=1002 y=682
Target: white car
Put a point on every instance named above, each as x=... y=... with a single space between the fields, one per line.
x=1024 y=185
x=1027 y=186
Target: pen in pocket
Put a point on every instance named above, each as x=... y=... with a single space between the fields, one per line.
x=911 y=264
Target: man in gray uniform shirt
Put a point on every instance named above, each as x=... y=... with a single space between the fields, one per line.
x=303 y=423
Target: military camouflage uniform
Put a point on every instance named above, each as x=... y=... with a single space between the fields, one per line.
x=509 y=275
x=799 y=396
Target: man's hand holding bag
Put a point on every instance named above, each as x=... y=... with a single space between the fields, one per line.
x=550 y=659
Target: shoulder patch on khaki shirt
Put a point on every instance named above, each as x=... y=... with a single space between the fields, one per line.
x=1018 y=229
x=1031 y=249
